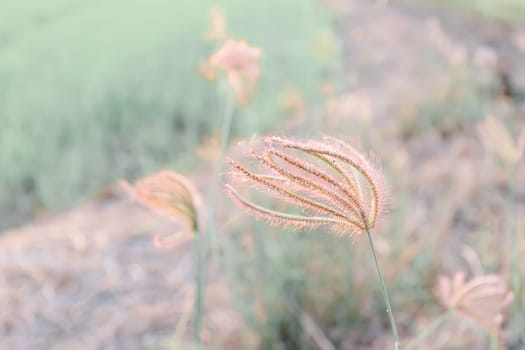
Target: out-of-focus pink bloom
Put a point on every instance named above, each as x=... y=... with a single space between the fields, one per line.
x=171 y=195
x=482 y=299
x=241 y=64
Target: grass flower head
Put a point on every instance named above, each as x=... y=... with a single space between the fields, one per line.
x=482 y=299
x=331 y=182
x=169 y=194
x=240 y=61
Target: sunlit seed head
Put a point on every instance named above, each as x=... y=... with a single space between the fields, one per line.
x=328 y=180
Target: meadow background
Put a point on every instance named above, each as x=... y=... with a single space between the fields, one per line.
x=94 y=92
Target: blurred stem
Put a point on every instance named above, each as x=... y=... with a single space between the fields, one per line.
x=493 y=342
x=226 y=124
x=385 y=293
x=427 y=331
x=513 y=235
x=514 y=244
x=202 y=262
x=199 y=286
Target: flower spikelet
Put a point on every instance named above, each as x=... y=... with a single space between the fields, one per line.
x=328 y=180
x=482 y=299
x=240 y=61
x=169 y=194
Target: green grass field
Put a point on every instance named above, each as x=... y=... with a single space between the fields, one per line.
x=93 y=92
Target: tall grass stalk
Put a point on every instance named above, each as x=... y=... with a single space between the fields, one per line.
x=493 y=342
x=199 y=288
x=513 y=234
x=514 y=244
x=203 y=245
x=226 y=125
x=385 y=293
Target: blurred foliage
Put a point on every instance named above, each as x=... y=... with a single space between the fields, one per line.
x=503 y=9
x=276 y=276
x=95 y=91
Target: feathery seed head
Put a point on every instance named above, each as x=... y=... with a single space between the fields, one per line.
x=482 y=299
x=168 y=194
x=331 y=182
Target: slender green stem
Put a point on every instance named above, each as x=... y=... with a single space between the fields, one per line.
x=201 y=261
x=385 y=293
x=199 y=289
x=493 y=342
x=513 y=244
x=514 y=239
x=227 y=119
x=227 y=123
x=427 y=331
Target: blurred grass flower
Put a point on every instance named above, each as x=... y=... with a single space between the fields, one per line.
x=292 y=102
x=207 y=71
x=455 y=54
x=209 y=149
x=356 y=106
x=171 y=195
x=218 y=25
x=497 y=139
x=482 y=299
x=241 y=64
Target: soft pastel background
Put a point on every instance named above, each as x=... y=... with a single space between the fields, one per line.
x=93 y=92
